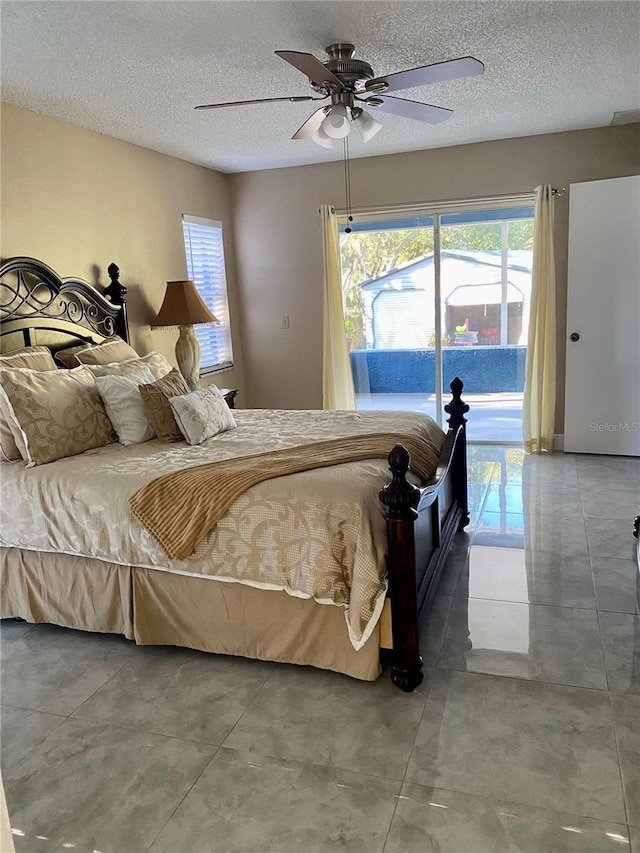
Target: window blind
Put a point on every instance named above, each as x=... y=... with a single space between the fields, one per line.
x=205 y=266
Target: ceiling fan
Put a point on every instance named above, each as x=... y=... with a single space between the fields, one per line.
x=350 y=84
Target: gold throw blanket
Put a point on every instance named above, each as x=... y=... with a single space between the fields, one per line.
x=179 y=509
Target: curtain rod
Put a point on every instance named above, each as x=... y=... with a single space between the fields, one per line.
x=421 y=206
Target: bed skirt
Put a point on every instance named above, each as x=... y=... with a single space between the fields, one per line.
x=161 y=608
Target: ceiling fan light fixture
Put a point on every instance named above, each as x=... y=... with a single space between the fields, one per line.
x=337 y=123
x=321 y=138
x=348 y=81
x=367 y=125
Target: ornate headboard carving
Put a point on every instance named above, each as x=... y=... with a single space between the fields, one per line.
x=39 y=307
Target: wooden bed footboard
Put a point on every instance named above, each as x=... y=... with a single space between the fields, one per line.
x=421 y=525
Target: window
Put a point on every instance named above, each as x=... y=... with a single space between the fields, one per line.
x=205 y=266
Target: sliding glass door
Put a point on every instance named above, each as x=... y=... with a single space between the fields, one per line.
x=431 y=297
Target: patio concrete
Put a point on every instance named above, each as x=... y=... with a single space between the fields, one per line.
x=492 y=417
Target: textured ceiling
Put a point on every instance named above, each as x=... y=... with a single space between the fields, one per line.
x=135 y=70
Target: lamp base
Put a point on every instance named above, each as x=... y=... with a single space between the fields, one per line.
x=188 y=357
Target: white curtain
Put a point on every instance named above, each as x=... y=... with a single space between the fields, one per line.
x=538 y=415
x=337 y=382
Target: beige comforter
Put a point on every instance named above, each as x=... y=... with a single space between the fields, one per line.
x=180 y=508
x=316 y=534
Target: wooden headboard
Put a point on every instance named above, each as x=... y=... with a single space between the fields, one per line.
x=39 y=307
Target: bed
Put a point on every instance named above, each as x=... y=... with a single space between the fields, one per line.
x=73 y=554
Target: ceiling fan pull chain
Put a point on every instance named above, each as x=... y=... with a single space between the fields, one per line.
x=347 y=183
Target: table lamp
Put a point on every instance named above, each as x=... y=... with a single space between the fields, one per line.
x=183 y=307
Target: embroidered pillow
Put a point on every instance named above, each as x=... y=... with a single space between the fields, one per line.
x=113 y=350
x=124 y=405
x=157 y=364
x=202 y=414
x=59 y=412
x=12 y=446
x=155 y=398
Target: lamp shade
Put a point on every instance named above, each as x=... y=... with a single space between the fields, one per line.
x=183 y=306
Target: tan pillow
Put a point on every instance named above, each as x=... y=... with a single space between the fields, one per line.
x=156 y=363
x=12 y=446
x=60 y=413
x=113 y=350
x=32 y=358
x=67 y=356
x=156 y=403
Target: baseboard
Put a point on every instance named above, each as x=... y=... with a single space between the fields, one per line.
x=558 y=441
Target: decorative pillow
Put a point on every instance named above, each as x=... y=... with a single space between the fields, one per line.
x=202 y=413
x=60 y=412
x=155 y=398
x=156 y=363
x=113 y=350
x=12 y=446
x=67 y=357
x=124 y=405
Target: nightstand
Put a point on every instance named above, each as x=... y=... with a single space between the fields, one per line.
x=229 y=395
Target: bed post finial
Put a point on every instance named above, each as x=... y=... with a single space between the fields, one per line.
x=117 y=293
x=400 y=500
x=399 y=496
x=457 y=409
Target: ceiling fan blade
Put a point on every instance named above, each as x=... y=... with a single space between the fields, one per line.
x=439 y=72
x=294 y=98
x=411 y=109
x=312 y=67
x=311 y=125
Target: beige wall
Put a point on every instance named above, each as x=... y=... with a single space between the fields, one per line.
x=78 y=200
x=279 y=250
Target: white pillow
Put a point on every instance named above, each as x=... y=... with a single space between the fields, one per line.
x=201 y=414
x=124 y=405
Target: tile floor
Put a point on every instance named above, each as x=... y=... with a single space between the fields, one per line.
x=525 y=735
